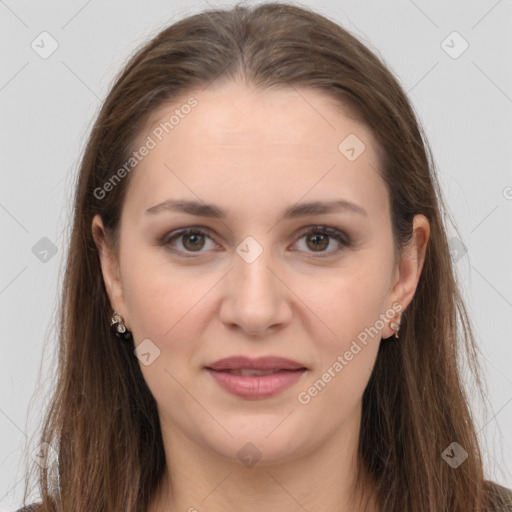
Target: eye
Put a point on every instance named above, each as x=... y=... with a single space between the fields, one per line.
x=187 y=241
x=190 y=240
x=318 y=238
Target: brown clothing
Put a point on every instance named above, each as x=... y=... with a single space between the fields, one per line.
x=503 y=493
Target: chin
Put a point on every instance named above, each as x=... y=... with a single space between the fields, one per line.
x=263 y=443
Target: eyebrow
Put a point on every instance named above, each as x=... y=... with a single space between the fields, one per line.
x=299 y=210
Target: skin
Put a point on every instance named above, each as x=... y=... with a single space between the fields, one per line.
x=253 y=154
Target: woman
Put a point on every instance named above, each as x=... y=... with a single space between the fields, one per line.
x=260 y=310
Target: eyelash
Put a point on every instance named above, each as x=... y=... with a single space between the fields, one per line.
x=339 y=236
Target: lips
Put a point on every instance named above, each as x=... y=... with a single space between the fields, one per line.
x=246 y=372
x=254 y=379
x=261 y=363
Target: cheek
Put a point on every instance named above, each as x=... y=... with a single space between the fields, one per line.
x=160 y=298
x=347 y=338
x=350 y=301
x=166 y=307
x=346 y=342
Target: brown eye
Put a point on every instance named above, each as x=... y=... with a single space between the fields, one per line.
x=318 y=238
x=317 y=241
x=188 y=241
x=193 y=241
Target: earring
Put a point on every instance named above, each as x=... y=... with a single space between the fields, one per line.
x=118 y=328
x=395 y=326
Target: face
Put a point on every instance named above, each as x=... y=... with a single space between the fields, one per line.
x=257 y=275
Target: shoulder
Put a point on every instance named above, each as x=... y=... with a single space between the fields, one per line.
x=35 y=507
x=503 y=495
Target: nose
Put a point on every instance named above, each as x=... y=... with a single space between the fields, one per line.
x=256 y=299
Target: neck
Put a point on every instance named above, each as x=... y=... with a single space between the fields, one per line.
x=323 y=478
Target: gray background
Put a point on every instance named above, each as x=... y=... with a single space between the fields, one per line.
x=47 y=107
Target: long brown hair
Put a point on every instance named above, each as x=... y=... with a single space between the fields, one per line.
x=102 y=420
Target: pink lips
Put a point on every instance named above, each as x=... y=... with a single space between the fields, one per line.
x=255 y=379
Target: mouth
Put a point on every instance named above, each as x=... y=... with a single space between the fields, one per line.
x=260 y=363
x=255 y=379
x=249 y=372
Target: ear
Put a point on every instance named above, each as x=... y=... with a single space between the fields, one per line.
x=109 y=267
x=409 y=267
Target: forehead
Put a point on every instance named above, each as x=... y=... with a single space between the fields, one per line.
x=236 y=139
x=237 y=113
